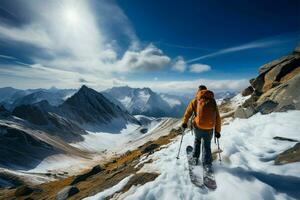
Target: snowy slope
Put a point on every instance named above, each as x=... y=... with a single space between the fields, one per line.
x=247 y=170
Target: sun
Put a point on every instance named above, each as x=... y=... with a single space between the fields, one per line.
x=71 y=16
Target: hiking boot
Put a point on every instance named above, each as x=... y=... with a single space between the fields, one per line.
x=208 y=168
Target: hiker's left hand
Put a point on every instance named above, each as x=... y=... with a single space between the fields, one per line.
x=218 y=135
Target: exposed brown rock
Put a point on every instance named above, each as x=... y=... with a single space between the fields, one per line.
x=289 y=156
x=276 y=88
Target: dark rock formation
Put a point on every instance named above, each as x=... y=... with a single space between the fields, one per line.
x=84 y=176
x=276 y=88
x=67 y=192
x=249 y=90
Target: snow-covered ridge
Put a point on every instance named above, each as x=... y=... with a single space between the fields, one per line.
x=247 y=170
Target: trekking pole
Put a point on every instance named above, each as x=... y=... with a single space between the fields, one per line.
x=180 y=144
x=219 y=150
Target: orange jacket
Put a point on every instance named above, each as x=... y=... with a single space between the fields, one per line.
x=192 y=107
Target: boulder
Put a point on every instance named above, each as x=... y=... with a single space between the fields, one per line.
x=286 y=95
x=244 y=113
x=267 y=107
x=67 y=192
x=289 y=156
x=83 y=177
x=249 y=90
x=274 y=76
x=150 y=148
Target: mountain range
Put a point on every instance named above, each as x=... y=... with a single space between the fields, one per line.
x=143 y=101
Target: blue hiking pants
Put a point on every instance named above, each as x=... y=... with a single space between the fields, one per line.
x=206 y=136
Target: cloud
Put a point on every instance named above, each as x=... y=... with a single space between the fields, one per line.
x=251 y=45
x=190 y=85
x=149 y=59
x=71 y=36
x=199 y=68
x=179 y=65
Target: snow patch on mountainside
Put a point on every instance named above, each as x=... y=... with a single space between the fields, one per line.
x=100 y=141
x=247 y=170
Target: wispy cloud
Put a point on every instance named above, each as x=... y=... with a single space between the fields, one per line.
x=180 y=65
x=251 y=45
x=7 y=57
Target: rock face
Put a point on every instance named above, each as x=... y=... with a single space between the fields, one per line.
x=276 y=88
x=43 y=115
x=289 y=156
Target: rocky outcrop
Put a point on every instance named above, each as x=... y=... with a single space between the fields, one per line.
x=83 y=177
x=289 y=156
x=67 y=192
x=275 y=89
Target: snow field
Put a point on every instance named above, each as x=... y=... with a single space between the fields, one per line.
x=250 y=174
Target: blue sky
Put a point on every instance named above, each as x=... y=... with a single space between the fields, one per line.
x=166 y=45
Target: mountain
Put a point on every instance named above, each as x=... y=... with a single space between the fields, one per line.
x=8 y=95
x=44 y=117
x=24 y=147
x=276 y=88
x=11 y=97
x=53 y=96
x=93 y=111
x=143 y=101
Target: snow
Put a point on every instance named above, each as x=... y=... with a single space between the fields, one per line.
x=239 y=99
x=99 y=141
x=125 y=101
x=110 y=191
x=247 y=170
x=60 y=163
x=143 y=96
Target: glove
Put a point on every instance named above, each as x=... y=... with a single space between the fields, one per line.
x=184 y=126
x=217 y=135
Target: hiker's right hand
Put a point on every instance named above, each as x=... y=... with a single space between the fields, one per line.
x=184 y=126
x=217 y=134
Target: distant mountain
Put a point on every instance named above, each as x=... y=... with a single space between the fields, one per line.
x=143 y=101
x=93 y=111
x=11 y=97
x=8 y=94
x=54 y=97
x=43 y=115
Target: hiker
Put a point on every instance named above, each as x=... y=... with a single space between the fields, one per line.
x=206 y=120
